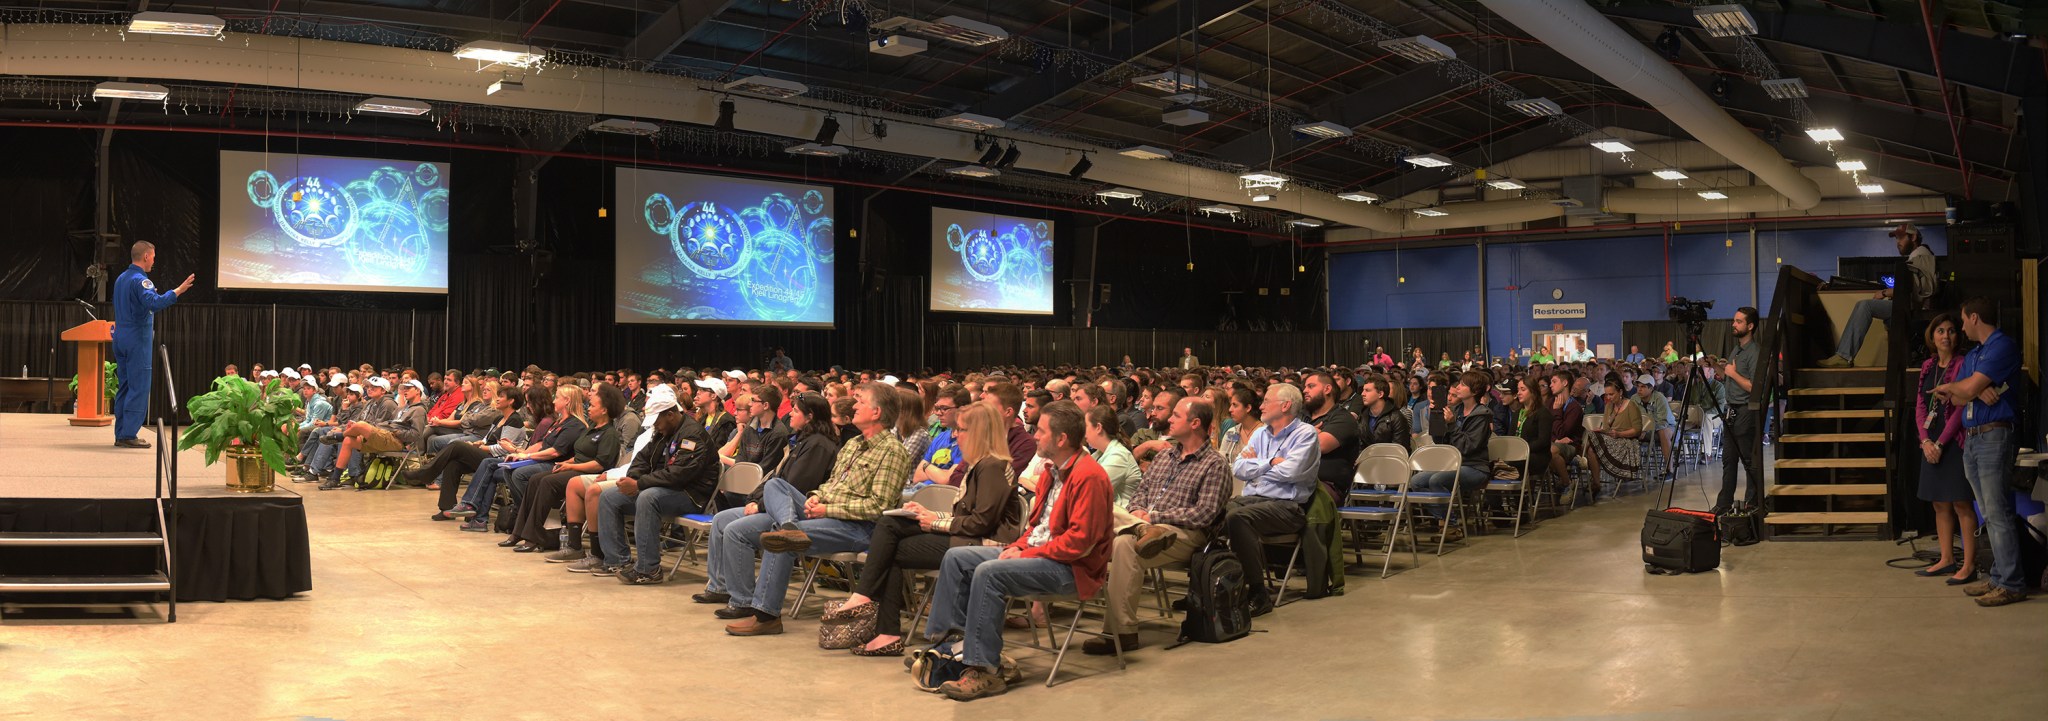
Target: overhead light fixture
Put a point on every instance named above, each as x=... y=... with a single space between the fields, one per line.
x=1536 y=107
x=827 y=131
x=1713 y=195
x=622 y=126
x=1671 y=174
x=1120 y=193
x=900 y=46
x=970 y=121
x=1171 y=81
x=1359 y=197
x=1221 y=209
x=1186 y=98
x=505 y=86
x=1323 y=129
x=1824 y=135
x=1851 y=165
x=1785 y=88
x=1667 y=43
x=726 y=111
x=1721 y=87
x=767 y=87
x=1009 y=159
x=191 y=24
x=817 y=150
x=1183 y=117
x=1306 y=223
x=1430 y=212
x=1724 y=21
x=129 y=91
x=1420 y=49
x=1145 y=152
x=393 y=106
x=1262 y=198
x=1428 y=160
x=964 y=31
x=1080 y=168
x=1262 y=179
x=497 y=53
x=974 y=171
x=1613 y=146
x=991 y=155
x=1870 y=188
x=1505 y=184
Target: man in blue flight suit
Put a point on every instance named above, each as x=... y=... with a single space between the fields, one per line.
x=136 y=302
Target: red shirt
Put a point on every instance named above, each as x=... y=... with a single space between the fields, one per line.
x=1080 y=524
x=446 y=405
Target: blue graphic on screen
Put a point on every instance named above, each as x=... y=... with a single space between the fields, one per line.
x=310 y=222
x=991 y=263
x=708 y=249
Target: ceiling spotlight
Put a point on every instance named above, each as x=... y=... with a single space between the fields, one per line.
x=1323 y=129
x=1723 y=21
x=1720 y=88
x=1171 y=81
x=1262 y=198
x=1120 y=193
x=1851 y=165
x=726 y=110
x=1428 y=160
x=1670 y=174
x=970 y=121
x=1359 y=197
x=505 y=86
x=622 y=126
x=1613 y=146
x=129 y=91
x=1713 y=195
x=974 y=171
x=1505 y=184
x=1536 y=107
x=1870 y=188
x=1221 y=209
x=991 y=155
x=1420 y=49
x=1009 y=158
x=1667 y=43
x=1080 y=168
x=161 y=23
x=1824 y=135
x=1785 y=88
x=1430 y=212
x=497 y=53
x=1306 y=222
x=393 y=106
x=900 y=46
x=817 y=150
x=1145 y=152
x=827 y=130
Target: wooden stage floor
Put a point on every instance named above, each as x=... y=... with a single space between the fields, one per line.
x=42 y=456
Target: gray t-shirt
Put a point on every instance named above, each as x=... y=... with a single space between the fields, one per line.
x=1744 y=358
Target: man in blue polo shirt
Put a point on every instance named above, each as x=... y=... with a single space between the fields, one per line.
x=1987 y=375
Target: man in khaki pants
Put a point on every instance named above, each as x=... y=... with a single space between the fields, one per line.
x=1177 y=500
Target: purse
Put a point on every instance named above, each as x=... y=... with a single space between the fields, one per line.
x=838 y=632
x=933 y=667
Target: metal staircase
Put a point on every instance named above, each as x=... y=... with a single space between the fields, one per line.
x=1833 y=459
x=112 y=544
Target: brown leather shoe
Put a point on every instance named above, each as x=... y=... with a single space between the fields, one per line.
x=975 y=683
x=755 y=627
x=791 y=541
x=1978 y=589
x=1154 y=541
x=2000 y=596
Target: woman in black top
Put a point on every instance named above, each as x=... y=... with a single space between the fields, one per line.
x=564 y=428
x=595 y=451
x=813 y=446
x=502 y=437
x=1534 y=416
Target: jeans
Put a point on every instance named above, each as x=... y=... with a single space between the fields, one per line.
x=1987 y=458
x=483 y=487
x=713 y=568
x=780 y=503
x=436 y=443
x=1471 y=481
x=1739 y=443
x=975 y=587
x=310 y=451
x=1859 y=324
x=650 y=508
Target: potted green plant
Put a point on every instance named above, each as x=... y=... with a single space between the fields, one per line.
x=250 y=423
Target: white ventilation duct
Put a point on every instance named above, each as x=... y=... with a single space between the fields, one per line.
x=263 y=60
x=1577 y=31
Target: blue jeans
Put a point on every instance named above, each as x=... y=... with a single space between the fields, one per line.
x=1987 y=457
x=1859 y=324
x=780 y=503
x=1470 y=479
x=650 y=507
x=436 y=443
x=483 y=487
x=317 y=456
x=713 y=567
x=974 y=588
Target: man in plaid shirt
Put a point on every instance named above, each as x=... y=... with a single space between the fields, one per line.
x=867 y=479
x=1169 y=516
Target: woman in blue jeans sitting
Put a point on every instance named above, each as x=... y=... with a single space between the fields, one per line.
x=557 y=443
x=1471 y=426
x=812 y=448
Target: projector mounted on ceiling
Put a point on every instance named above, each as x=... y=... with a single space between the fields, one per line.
x=900 y=46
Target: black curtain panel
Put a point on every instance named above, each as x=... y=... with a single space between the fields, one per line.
x=1651 y=335
x=46 y=243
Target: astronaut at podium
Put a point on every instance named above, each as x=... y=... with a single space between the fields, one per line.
x=136 y=302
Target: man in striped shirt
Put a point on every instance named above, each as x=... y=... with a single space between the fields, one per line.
x=1177 y=500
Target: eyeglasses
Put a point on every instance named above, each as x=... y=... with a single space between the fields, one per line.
x=942 y=409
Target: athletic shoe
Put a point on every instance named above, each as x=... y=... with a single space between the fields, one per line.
x=586 y=565
x=566 y=555
x=2000 y=596
x=476 y=525
x=462 y=510
x=332 y=439
x=1835 y=361
x=633 y=577
x=607 y=569
x=973 y=684
x=330 y=483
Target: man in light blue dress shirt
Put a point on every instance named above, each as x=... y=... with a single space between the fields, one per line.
x=1278 y=467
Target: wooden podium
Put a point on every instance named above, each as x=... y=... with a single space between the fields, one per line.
x=92 y=338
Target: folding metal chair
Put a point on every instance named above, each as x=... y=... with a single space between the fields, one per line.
x=936 y=498
x=1438 y=458
x=1059 y=646
x=1514 y=450
x=1390 y=450
x=1382 y=481
x=694 y=528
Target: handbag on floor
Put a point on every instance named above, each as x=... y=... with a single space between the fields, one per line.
x=1742 y=526
x=932 y=667
x=840 y=633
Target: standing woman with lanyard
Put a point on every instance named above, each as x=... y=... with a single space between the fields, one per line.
x=1941 y=455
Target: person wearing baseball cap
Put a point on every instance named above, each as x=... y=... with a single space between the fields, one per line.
x=317 y=451
x=709 y=401
x=379 y=432
x=674 y=473
x=1920 y=261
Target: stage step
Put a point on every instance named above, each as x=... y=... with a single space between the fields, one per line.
x=1847 y=391
x=1828 y=463
x=55 y=584
x=1834 y=489
x=1831 y=438
x=1800 y=415
x=108 y=538
x=1835 y=518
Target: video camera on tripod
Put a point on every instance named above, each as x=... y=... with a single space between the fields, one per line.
x=1693 y=313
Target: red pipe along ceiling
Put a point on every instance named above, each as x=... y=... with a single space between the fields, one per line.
x=1666 y=224
x=632 y=162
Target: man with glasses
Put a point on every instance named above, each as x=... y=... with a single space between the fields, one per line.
x=942 y=454
x=762 y=438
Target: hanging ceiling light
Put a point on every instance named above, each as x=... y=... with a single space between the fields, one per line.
x=1221 y=209
x=1505 y=184
x=1785 y=88
x=1306 y=223
x=1420 y=49
x=129 y=91
x=1120 y=193
x=1171 y=81
x=767 y=87
x=1536 y=107
x=1724 y=21
x=817 y=150
x=970 y=121
x=1145 y=152
x=726 y=111
x=964 y=31
x=162 y=23
x=1613 y=146
x=1323 y=129
x=622 y=126
x=1430 y=212
x=1713 y=195
x=974 y=171
x=1671 y=174
x=1870 y=188
x=393 y=106
x=1428 y=160
x=1359 y=196
x=1824 y=135
x=497 y=53
x=1850 y=165
x=1262 y=179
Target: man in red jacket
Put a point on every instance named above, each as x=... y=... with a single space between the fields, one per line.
x=1064 y=551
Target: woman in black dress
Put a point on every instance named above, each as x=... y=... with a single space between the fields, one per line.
x=1941 y=455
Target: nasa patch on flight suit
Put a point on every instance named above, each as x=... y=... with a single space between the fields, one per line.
x=148 y=285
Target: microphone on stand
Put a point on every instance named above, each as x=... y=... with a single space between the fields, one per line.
x=89 y=309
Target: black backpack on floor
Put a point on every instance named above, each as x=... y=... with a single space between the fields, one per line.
x=1219 y=606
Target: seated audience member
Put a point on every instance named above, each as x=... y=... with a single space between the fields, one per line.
x=711 y=394
x=449 y=393
x=394 y=432
x=316 y=454
x=470 y=419
x=985 y=511
x=1057 y=388
x=1533 y=422
x=1064 y=551
x=1105 y=435
x=505 y=435
x=1613 y=448
x=911 y=431
x=319 y=413
x=1337 y=433
x=1087 y=396
x=1035 y=402
x=585 y=491
x=942 y=453
x=1007 y=399
x=813 y=449
x=867 y=479
x=1168 y=517
x=674 y=474
x=596 y=450
x=1243 y=420
x=1657 y=409
x=762 y=437
x=842 y=418
x=1278 y=466
x=1148 y=440
x=1920 y=261
x=1470 y=427
x=1381 y=420
x=553 y=438
x=1567 y=427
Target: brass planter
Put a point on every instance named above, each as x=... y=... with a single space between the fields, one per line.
x=247 y=473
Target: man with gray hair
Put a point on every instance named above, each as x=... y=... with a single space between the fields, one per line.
x=1278 y=467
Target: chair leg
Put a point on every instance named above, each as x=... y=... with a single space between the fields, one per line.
x=1286 y=577
x=811 y=576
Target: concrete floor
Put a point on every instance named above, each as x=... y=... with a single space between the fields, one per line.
x=413 y=619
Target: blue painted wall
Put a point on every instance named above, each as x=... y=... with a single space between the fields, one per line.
x=1619 y=279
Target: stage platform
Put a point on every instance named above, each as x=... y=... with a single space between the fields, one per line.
x=227 y=546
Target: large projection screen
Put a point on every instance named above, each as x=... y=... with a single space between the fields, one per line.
x=314 y=222
x=983 y=263
x=706 y=249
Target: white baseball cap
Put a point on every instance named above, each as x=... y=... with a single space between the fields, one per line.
x=891 y=380
x=307 y=366
x=735 y=374
x=711 y=384
x=290 y=373
x=267 y=374
x=336 y=379
x=379 y=382
x=415 y=385
x=660 y=398
x=355 y=388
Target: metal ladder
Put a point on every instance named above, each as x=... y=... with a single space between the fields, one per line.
x=163 y=580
